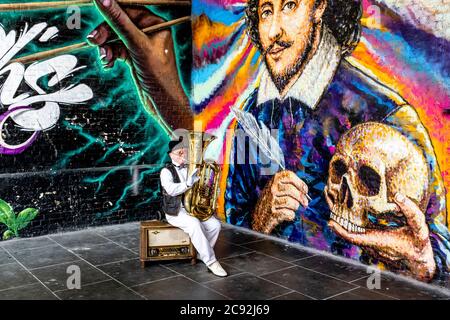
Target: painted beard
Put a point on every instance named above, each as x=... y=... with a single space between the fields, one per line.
x=282 y=79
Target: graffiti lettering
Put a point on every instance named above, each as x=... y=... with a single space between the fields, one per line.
x=20 y=107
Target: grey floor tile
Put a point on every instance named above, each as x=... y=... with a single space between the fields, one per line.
x=246 y=286
x=79 y=239
x=293 y=296
x=403 y=290
x=334 y=268
x=118 y=229
x=55 y=277
x=224 y=249
x=130 y=241
x=278 y=250
x=199 y=272
x=237 y=237
x=31 y=292
x=26 y=243
x=308 y=282
x=130 y=272
x=107 y=290
x=44 y=256
x=105 y=253
x=14 y=275
x=5 y=258
x=243 y=255
x=177 y=288
x=361 y=294
x=256 y=263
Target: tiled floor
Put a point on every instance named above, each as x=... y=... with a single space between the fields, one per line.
x=259 y=268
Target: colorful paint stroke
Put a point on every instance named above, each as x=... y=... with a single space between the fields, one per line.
x=327 y=67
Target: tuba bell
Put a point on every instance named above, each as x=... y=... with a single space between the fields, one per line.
x=201 y=200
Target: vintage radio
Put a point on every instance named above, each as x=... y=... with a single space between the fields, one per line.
x=162 y=241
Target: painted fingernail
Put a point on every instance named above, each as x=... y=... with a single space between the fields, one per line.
x=102 y=53
x=92 y=34
x=399 y=197
x=106 y=3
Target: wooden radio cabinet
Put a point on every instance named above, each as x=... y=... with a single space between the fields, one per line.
x=162 y=241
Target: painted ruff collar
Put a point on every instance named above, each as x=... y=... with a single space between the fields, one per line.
x=314 y=79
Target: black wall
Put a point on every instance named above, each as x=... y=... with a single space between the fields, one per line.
x=100 y=163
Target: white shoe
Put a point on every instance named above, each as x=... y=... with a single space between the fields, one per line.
x=217 y=269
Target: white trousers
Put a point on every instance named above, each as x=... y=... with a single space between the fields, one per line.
x=203 y=234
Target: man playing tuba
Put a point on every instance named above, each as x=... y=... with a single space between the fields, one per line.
x=175 y=182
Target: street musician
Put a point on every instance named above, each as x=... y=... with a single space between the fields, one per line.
x=175 y=182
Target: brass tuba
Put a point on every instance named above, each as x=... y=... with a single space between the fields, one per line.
x=201 y=200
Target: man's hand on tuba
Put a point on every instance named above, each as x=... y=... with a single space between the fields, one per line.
x=193 y=178
x=150 y=57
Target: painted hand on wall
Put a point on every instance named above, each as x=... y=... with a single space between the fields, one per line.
x=284 y=194
x=377 y=191
x=279 y=201
x=410 y=243
x=151 y=59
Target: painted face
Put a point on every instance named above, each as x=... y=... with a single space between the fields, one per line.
x=286 y=30
x=179 y=155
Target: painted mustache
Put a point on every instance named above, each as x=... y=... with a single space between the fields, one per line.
x=281 y=43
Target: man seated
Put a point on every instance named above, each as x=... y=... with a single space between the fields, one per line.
x=175 y=183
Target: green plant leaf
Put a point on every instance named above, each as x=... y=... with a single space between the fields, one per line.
x=7 y=234
x=3 y=218
x=5 y=207
x=25 y=216
x=8 y=213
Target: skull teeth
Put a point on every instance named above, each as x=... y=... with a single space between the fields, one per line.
x=347 y=224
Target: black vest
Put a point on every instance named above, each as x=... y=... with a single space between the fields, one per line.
x=171 y=205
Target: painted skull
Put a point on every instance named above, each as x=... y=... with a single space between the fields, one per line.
x=372 y=163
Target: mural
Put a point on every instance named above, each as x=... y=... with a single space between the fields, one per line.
x=81 y=135
x=333 y=119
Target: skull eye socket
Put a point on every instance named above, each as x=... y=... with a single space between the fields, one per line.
x=370 y=181
x=338 y=169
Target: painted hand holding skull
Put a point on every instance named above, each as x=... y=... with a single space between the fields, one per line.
x=377 y=191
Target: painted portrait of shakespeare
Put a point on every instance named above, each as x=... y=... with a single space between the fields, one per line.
x=329 y=77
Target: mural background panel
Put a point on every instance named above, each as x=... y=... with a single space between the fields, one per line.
x=98 y=163
x=397 y=62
